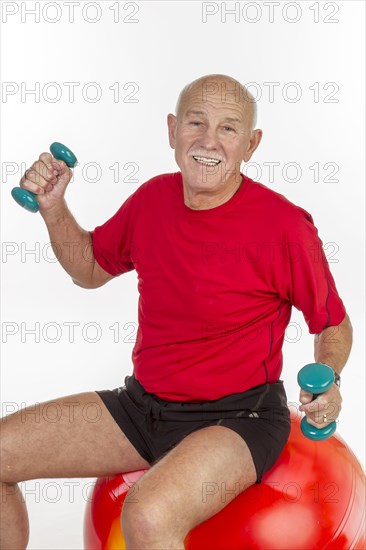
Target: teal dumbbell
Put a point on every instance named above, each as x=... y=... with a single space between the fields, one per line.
x=316 y=378
x=27 y=199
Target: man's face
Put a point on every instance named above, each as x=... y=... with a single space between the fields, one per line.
x=211 y=136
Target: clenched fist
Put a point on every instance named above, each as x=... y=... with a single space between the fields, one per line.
x=48 y=179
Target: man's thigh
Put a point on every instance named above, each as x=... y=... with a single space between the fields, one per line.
x=71 y=436
x=192 y=482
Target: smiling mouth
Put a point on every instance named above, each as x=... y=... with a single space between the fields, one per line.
x=207 y=161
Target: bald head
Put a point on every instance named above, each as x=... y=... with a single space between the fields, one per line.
x=228 y=89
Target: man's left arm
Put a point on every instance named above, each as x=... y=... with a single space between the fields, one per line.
x=332 y=347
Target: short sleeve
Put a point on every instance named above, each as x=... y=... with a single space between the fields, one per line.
x=112 y=242
x=306 y=280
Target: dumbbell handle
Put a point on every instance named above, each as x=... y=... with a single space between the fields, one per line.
x=26 y=198
x=316 y=378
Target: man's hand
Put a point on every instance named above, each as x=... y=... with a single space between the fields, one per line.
x=332 y=347
x=48 y=179
x=329 y=403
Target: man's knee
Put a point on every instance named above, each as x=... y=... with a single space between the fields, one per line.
x=144 y=519
x=8 y=472
x=8 y=490
x=10 y=450
x=137 y=521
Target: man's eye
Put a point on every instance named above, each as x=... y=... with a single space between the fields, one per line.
x=195 y=122
x=229 y=128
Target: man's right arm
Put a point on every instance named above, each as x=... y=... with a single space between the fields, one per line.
x=72 y=245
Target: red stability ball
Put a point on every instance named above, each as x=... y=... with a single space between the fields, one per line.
x=312 y=498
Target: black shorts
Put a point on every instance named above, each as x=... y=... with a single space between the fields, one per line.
x=154 y=426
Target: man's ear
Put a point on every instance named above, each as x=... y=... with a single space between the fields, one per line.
x=172 y=122
x=253 y=144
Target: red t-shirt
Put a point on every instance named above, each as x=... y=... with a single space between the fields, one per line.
x=216 y=286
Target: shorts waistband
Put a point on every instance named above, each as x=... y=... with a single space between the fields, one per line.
x=266 y=401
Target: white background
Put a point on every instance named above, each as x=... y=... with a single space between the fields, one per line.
x=168 y=46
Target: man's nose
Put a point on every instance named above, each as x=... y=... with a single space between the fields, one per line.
x=209 y=139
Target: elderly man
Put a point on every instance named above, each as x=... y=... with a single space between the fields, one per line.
x=220 y=261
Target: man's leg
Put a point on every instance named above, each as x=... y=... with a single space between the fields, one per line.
x=72 y=436
x=180 y=490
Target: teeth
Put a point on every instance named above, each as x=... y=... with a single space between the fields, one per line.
x=207 y=161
